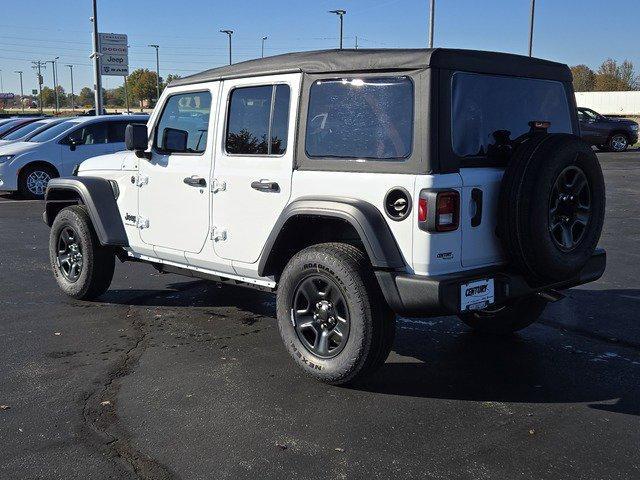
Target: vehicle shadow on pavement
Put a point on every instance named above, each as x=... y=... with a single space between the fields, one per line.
x=441 y=358
x=445 y=360
x=197 y=293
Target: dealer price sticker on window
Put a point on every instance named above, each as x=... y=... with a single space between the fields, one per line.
x=477 y=295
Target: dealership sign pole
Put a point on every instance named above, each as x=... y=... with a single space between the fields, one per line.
x=96 y=61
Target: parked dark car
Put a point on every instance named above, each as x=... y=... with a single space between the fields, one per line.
x=15 y=123
x=606 y=133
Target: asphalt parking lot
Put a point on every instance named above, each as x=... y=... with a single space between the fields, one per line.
x=167 y=377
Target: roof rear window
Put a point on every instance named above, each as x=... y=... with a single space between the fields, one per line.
x=489 y=111
x=360 y=118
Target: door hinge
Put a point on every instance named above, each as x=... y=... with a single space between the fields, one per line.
x=142 y=180
x=142 y=223
x=218 y=186
x=218 y=235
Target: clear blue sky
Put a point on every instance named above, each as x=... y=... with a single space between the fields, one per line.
x=570 y=31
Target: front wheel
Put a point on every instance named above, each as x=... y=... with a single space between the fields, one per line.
x=331 y=314
x=33 y=180
x=506 y=319
x=618 y=142
x=82 y=267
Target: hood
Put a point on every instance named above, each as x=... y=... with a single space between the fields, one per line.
x=621 y=121
x=17 y=148
x=111 y=161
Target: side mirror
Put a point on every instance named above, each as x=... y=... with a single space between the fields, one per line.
x=136 y=138
x=174 y=140
x=72 y=145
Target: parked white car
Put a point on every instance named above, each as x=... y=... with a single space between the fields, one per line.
x=24 y=133
x=28 y=166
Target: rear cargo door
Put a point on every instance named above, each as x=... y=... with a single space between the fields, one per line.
x=479 y=216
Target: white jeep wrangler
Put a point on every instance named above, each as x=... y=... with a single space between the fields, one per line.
x=357 y=184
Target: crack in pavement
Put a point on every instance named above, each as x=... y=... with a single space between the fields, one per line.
x=99 y=411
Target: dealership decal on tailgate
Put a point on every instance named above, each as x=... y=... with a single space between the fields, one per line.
x=476 y=295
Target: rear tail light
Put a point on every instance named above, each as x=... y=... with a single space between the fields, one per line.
x=439 y=210
x=447 y=208
x=422 y=210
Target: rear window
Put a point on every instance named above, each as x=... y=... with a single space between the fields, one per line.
x=360 y=118
x=488 y=111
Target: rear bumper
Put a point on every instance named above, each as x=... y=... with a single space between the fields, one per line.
x=417 y=295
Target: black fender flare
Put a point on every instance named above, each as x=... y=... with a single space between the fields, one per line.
x=364 y=217
x=96 y=194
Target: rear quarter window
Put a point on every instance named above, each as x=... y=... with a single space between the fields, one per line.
x=368 y=118
x=489 y=110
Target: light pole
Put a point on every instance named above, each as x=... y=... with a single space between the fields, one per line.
x=229 y=33
x=1 y=84
x=157 y=47
x=20 y=72
x=432 y=11
x=73 y=100
x=96 y=60
x=341 y=14
x=533 y=10
x=263 y=40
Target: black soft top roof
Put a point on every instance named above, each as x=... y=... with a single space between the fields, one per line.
x=369 y=60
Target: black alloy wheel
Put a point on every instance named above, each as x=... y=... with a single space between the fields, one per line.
x=569 y=208
x=69 y=254
x=320 y=316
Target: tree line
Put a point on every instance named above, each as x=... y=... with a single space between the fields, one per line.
x=611 y=76
x=141 y=90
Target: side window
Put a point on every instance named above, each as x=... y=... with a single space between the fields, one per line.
x=115 y=131
x=360 y=118
x=258 y=120
x=93 y=134
x=184 y=123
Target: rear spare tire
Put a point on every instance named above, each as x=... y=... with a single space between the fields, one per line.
x=551 y=206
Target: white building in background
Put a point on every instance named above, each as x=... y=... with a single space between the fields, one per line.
x=611 y=103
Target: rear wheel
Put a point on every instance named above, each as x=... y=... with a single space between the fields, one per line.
x=33 y=180
x=331 y=315
x=83 y=268
x=506 y=319
x=618 y=142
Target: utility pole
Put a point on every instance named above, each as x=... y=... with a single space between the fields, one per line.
x=356 y=42
x=432 y=11
x=263 y=40
x=229 y=33
x=73 y=100
x=157 y=47
x=55 y=80
x=39 y=64
x=96 y=60
x=20 y=72
x=533 y=10
x=341 y=14
x=1 y=84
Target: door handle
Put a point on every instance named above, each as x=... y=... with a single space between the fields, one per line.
x=194 y=181
x=265 y=186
